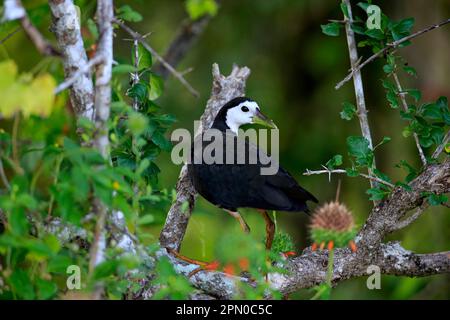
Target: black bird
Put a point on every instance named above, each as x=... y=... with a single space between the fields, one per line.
x=242 y=184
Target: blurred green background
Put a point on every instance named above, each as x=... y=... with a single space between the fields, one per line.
x=294 y=70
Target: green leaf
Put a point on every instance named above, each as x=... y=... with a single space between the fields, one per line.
x=348 y=111
x=147 y=219
x=137 y=123
x=334 y=162
x=92 y=26
x=387 y=68
x=45 y=289
x=384 y=141
x=436 y=200
x=123 y=68
x=358 y=147
x=156 y=87
x=21 y=284
x=144 y=57
x=331 y=29
x=128 y=14
x=352 y=172
x=404 y=26
x=375 y=34
x=139 y=91
x=199 y=8
x=416 y=94
x=377 y=194
x=410 y=70
x=161 y=141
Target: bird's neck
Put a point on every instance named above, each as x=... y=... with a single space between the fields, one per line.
x=221 y=124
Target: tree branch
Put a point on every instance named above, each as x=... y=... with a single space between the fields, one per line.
x=357 y=81
x=66 y=28
x=189 y=32
x=170 y=68
x=340 y=171
x=441 y=147
x=105 y=15
x=405 y=108
x=14 y=10
x=392 y=45
x=223 y=89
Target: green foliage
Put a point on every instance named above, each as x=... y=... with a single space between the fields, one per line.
x=331 y=29
x=199 y=8
x=348 y=111
x=340 y=239
x=334 y=162
x=171 y=285
x=128 y=14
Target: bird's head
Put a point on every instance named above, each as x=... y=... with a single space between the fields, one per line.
x=240 y=111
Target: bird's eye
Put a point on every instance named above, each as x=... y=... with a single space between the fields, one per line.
x=245 y=109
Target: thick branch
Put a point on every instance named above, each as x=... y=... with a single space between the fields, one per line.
x=66 y=28
x=105 y=15
x=310 y=269
x=223 y=89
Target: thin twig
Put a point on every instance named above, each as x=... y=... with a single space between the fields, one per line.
x=10 y=35
x=340 y=171
x=405 y=108
x=391 y=45
x=137 y=36
x=3 y=176
x=358 y=84
x=14 y=10
x=85 y=68
x=407 y=221
x=441 y=147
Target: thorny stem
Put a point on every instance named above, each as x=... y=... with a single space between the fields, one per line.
x=405 y=108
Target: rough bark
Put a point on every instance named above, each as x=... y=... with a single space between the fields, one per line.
x=66 y=28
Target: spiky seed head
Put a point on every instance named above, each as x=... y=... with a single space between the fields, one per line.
x=332 y=216
x=332 y=222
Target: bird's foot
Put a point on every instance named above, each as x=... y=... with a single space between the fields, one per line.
x=202 y=265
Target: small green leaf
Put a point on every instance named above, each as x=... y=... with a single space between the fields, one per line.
x=144 y=57
x=128 y=14
x=334 y=162
x=358 y=147
x=331 y=29
x=348 y=111
x=199 y=8
x=376 y=194
x=410 y=70
x=21 y=284
x=156 y=87
x=416 y=94
x=147 y=219
x=123 y=68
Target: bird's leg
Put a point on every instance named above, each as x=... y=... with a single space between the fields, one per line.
x=241 y=220
x=203 y=266
x=270 y=228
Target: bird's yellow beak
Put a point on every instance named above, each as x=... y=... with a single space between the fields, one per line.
x=263 y=120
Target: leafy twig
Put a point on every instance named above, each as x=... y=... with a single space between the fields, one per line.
x=137 y=36
x=358 y=84
x=441 y=147
x=391 y=45
x=405 y=108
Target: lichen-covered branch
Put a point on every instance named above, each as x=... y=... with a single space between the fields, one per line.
x=224 y=89
x=66 y=28
x=102 y=102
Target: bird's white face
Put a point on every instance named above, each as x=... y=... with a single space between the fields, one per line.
x=246 y=112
